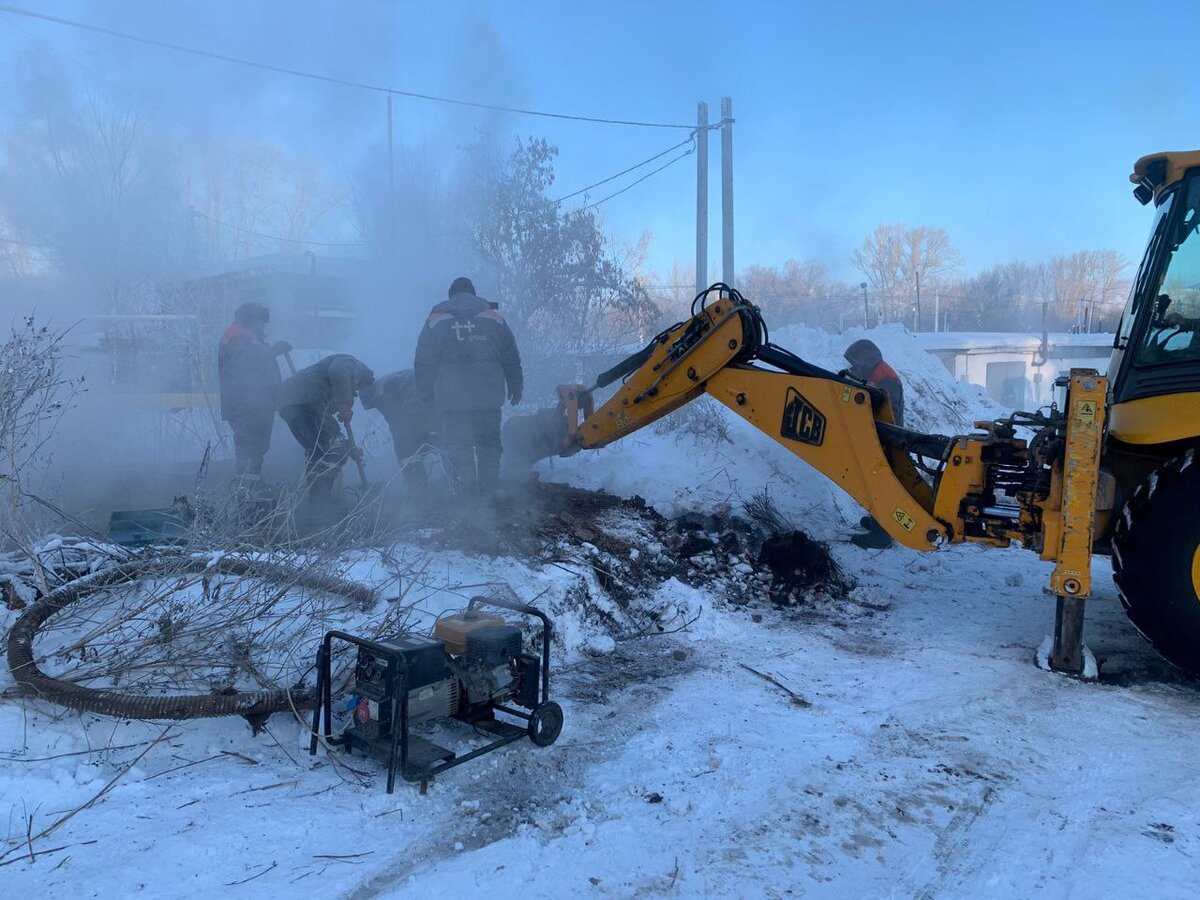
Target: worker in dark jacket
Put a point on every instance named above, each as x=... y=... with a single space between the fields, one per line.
x=466 y=364
x=248 y=374
x=308 y=404
x=866 y=364
x=409 y=419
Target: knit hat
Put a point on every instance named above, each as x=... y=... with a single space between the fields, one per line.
x=251 y=313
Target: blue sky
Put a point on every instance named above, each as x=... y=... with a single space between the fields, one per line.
x=1011 y=125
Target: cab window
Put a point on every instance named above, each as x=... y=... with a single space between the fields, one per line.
x=1173 y=333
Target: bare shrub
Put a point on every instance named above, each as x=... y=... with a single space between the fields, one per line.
x=704 y=420
x=34 y=394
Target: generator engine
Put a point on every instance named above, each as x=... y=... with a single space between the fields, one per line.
x=472 y=667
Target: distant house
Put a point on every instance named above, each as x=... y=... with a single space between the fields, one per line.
x=1015 y=369
x=168 y=353
x=308 y=296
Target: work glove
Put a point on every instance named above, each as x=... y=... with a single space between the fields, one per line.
x=281 y=347
x=356 y=454
x=514 y=397
x=346 y=412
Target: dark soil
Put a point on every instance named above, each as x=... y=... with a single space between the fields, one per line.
x=631 y=548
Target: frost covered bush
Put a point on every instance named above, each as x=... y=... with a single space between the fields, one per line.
x=704 y=420
x=34 y=393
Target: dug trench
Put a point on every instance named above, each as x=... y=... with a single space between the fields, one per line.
x=630 y=548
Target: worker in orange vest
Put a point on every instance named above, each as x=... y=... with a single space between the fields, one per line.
x=866 y=364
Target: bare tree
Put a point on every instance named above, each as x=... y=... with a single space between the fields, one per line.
x=801 y=292
x=561 y=279
x=893 y=258
x=1087 y=286
x=673 y=292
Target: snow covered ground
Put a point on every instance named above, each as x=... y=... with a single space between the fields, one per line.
x=898 y=742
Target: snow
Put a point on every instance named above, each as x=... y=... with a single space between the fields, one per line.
x=898 y=742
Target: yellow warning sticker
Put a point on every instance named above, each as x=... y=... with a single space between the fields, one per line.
x=846 y=394
x=1085 y=411
x=907 y=522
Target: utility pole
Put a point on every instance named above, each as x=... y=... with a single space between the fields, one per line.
x=701 y=196
x=918 y=316
x=391 y=248
x=937 y=307
x=866 y=314
x=727 y=190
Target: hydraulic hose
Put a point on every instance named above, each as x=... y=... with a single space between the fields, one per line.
x=26 y=673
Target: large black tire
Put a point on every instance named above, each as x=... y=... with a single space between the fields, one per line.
x=1156 y=560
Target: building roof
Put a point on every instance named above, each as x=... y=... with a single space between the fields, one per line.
x=983 y=341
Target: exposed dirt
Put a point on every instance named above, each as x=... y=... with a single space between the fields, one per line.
x=631 y=548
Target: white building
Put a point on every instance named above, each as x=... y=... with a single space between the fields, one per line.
x=1015 y=369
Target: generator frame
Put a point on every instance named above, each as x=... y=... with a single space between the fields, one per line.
x=401 y=744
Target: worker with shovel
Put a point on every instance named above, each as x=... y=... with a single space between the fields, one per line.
x=312 y=403
x=248 y=374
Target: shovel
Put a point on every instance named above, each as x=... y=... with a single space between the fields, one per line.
x=362 y=467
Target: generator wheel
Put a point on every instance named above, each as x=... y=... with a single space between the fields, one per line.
x=1156 y=560
x=545 y=723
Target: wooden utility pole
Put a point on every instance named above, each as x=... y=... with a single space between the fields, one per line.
x=701 y=197
x=727 y=190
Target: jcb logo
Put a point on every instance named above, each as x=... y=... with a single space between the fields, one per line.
x=801 y=420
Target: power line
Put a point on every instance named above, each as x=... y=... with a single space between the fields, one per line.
x=633 y=184
x=298 y=73
x=690 y=139
x=277 y=237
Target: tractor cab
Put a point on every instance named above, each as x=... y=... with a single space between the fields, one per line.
x=1155 y=366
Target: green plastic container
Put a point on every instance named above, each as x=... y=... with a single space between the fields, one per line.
x=143 y=527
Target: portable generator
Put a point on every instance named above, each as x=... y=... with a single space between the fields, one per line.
x=473 y=667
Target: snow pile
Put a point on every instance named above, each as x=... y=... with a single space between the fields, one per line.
x=703 y=454
x=933 y=400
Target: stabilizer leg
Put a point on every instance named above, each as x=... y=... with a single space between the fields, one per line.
x=1066 y=655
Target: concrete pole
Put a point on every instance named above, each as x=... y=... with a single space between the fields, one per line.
x=727 y=274
x=391 y=238
x=937 y=308
x=701 y=197
x=917 y=319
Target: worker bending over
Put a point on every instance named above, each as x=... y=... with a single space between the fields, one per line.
x=308 y=404
x=466 y=363
x=409 y=419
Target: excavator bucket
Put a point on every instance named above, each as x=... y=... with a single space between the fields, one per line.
x=536 y=436
x=547 y=432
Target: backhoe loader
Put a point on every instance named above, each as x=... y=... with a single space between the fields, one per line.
x=1111 y=472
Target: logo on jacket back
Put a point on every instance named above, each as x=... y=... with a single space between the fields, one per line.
x=462 y=325
x=802 y=421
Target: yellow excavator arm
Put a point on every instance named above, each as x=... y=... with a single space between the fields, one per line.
x=990 y=487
